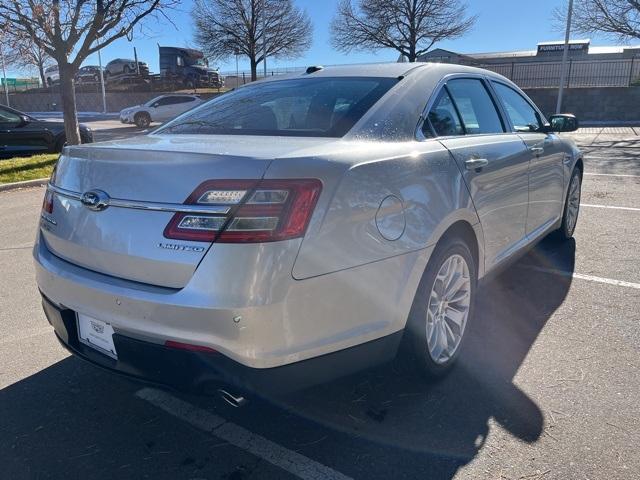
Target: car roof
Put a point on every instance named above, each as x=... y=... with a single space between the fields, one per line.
x=386 y=70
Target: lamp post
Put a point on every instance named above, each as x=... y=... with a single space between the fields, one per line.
x=4 y=77
x=565 y=55
x=264 y=37
x=104 y=96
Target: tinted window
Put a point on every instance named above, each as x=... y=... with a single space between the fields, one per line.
x=313 y=107
x=522 y=115
x=478 y=112
x=8 y=117
x=443 y=117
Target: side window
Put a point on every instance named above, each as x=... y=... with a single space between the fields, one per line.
x=8 y=117
x=522 y=115
x=443 y=117
x=478 y=112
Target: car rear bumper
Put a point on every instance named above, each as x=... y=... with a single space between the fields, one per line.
x=204 y=372
x=261 y=318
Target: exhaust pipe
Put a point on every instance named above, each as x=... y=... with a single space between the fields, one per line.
x=236 y=401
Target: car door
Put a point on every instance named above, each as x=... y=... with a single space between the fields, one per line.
x=546 y=172
x=17 y=136
x=163 y=109
x=182 y=105
x=494 y=162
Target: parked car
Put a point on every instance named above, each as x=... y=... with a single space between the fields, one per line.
x=88 y=74
x=52 y=75
x=23 y=134
x=120 y=66
x=299 y=229
x=159 y=109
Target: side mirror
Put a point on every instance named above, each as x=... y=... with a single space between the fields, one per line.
x=564 y=122
x=24 y=120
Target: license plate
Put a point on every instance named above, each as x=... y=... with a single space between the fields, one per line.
x=96 y=334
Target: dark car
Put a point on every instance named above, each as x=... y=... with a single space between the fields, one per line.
x=23 y=134
x=88 y=74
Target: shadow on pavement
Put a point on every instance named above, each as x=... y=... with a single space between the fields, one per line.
x=72 y=420
x=449 y=420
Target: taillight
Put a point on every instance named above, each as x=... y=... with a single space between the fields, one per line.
x=47 y=202
x=259 y=211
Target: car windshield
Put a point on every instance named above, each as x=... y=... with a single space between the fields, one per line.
x=319 y=107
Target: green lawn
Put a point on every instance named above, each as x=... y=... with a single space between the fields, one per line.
x=27 y=168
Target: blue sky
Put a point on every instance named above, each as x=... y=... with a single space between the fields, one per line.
x=502 y=25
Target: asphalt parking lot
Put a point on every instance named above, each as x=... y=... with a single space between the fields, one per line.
x=547 y=388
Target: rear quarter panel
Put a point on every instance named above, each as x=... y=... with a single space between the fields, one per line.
x=344 y=233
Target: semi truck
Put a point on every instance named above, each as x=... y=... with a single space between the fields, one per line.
x=188 y=67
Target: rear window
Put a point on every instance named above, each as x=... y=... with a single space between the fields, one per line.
x=319 y=107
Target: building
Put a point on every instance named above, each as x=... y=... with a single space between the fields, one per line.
x=615 y=66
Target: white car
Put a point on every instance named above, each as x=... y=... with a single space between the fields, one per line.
x=159 y=109
x=52 y=75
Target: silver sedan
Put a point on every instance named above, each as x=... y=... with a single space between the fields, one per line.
x=300 y=228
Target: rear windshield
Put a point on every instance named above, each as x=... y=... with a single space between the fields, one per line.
x=318 y=107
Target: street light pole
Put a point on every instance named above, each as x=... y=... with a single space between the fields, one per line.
x=264 y=38
x=104 y=96
x=4 y=77
x=565 y=55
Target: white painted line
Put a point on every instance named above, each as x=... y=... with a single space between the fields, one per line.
x=604 y=157
x=610 y=206
x=590 y=278
x=612 y=175
x=293 y=462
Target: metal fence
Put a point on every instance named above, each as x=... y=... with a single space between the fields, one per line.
x=580 y=73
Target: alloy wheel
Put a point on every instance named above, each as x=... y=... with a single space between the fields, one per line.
x=448 y=309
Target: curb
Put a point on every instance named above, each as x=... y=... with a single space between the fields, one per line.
x=39 y=182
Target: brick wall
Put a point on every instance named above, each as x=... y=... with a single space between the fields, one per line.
x=595 y=104
x=86 y=102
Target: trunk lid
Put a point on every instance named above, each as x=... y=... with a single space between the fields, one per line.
x=128 y=242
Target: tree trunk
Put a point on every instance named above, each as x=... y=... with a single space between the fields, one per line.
x=43 y=79
x=69 y=112
x=254 y=69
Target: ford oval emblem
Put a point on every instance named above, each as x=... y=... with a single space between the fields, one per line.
x=95 y=200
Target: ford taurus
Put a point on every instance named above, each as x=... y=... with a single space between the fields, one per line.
x=300 y=228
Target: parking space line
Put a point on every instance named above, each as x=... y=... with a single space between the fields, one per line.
x=590 y=205
x=581 y=276
x=604 y=157
x=611 y=175
x=293 y=462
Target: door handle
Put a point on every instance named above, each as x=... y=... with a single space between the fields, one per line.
x=476 y=163
x=536 y=150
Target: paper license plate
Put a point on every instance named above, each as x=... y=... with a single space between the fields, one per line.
x=96 y=334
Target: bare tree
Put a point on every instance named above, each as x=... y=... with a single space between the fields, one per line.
x=23 y=53
x=411 y=27
x=617 y=18
x=224 y=27
x=71 y=30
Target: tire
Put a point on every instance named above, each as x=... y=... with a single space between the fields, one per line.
x=60 y=143
x=571 y=206
x=430 y=317
x=142 y=120
x=190 y=83
x=126 y=69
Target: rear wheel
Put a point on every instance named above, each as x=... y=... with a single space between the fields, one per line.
x=142 y=119
x=126 y=69
x=442 y=308
x=571 y=206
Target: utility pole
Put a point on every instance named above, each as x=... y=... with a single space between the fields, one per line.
x=4 y=77
x=565 y=55
x=104 y=96
x=264 y=37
